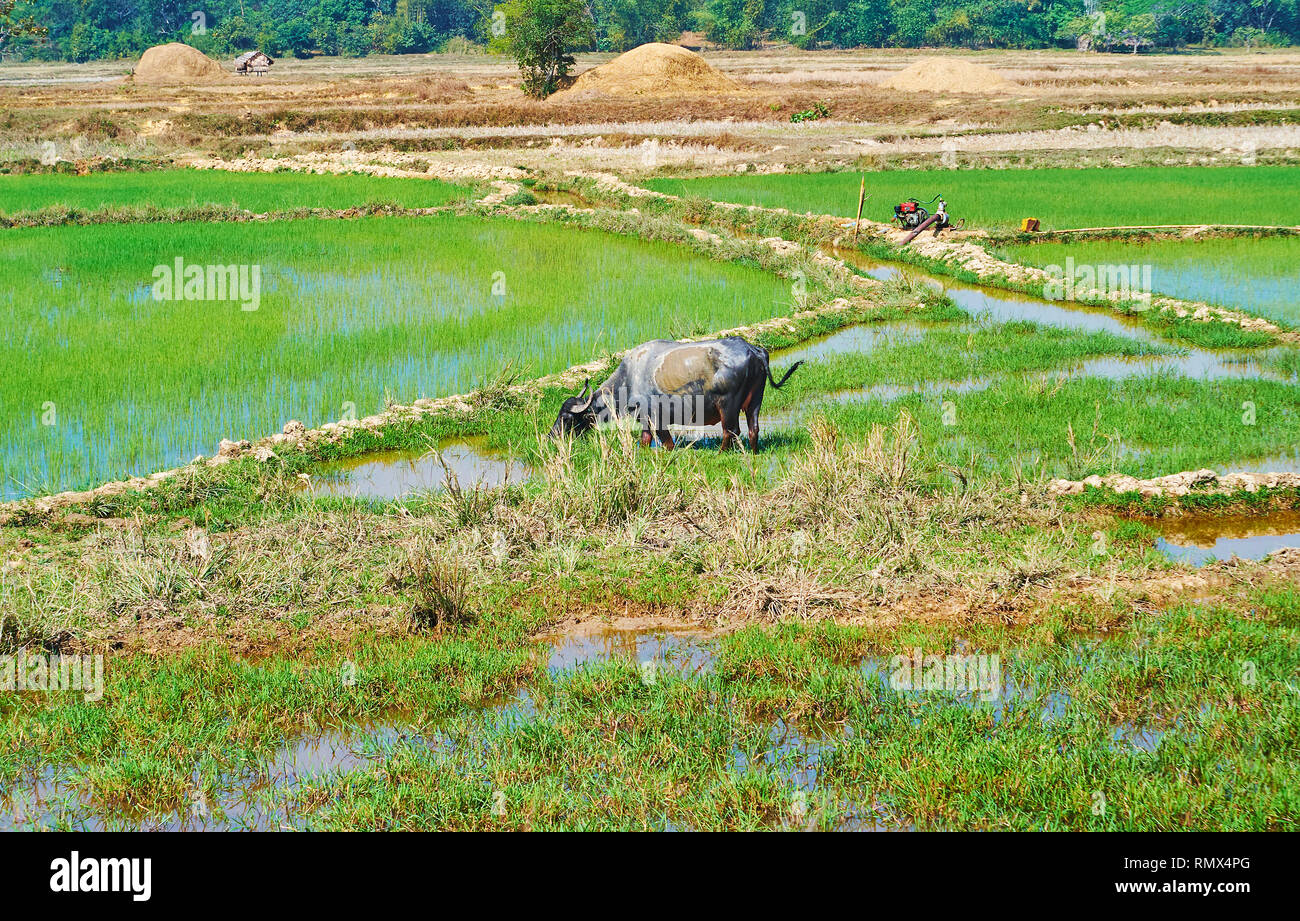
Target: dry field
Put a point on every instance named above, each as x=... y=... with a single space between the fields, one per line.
x=453 y=109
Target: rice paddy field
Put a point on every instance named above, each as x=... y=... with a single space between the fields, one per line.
x=192 y=188
x=1260 y=275
x=348 y=312
x=455 y=621
x=785 y=719
x=1017 y=389
x=1001 y=198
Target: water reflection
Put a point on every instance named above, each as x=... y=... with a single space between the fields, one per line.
x=397 y=474
x=1203 y=539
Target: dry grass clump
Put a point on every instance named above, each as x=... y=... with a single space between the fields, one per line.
x=438 y=585
x=241 y=585
x=437 y=88
x=948 y=75
x=860 y=523
x=149 y=578
x=458 y=507
x=851 y=526
x=832 y=481
x=619 y=482
x=796 y=595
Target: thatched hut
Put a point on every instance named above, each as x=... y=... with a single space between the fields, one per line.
x=253 y=62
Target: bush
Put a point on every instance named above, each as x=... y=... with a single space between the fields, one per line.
x=819 y=110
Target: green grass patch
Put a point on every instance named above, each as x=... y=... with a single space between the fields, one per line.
x=936 y=356
x=1143 y=426
x=1186 y=721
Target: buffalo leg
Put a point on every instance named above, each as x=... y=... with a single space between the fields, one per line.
x=665 y=439
x=751 y=419
x=730 y=425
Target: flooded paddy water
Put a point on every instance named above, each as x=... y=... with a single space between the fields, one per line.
x=1257 y=274
x=1002 y=306
x=397 y=474
x=1201 y=539
x=280 y=791
x=345 y=314
x=992 y=305
x=262 y=796
x=684 y=651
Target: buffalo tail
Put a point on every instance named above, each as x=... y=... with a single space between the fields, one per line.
x=777 y=384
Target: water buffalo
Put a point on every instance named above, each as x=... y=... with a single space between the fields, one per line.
x=662 y=383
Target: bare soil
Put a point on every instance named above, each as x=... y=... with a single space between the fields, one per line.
x=458 y=108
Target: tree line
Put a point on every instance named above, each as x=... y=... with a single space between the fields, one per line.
x=84 y=30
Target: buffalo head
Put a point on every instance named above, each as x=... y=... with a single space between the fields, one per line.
x=577 y=414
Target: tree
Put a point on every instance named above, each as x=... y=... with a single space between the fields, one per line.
x=912 y=19
x=953 y=29
x=1079 y=30
x=293 y=36
x=12 y=27
x=623 y=24
x=735 y=23
x=1180 y=22
x=539 y=35
x=840 y=23
x=1248 y=36
x=1139 y=31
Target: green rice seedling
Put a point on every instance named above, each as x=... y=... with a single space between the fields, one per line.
x=1145 y=426
x=107 y=379
x=959 y=357
x=187 y=188
x=1260 y=275
x=1059 y=198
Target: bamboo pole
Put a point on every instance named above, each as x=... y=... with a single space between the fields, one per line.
x=862 y=192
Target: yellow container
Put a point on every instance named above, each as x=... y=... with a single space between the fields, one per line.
x=1029 y=223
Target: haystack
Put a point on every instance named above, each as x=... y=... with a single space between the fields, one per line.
x=177 y=63
x=949 y=75
x=655 y=69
